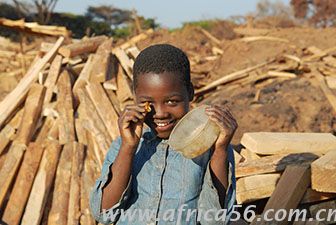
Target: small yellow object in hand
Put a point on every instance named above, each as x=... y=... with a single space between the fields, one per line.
x=147 y=107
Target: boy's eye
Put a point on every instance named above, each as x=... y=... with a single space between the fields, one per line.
x=172 y=102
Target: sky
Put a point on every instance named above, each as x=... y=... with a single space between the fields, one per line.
x=171 y=13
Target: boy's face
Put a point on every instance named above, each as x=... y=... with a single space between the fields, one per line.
x=168 y=97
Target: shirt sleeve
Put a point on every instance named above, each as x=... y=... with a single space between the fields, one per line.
x=209 y=204
x=111 y=215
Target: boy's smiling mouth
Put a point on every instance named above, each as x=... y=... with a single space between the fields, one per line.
x=162 y=126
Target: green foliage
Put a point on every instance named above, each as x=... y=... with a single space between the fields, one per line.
x=79 y=24
x=122 y=32
x=205 y=24
x=109 y=14
x=9 y=12
x=96 y=22
x=148 y=23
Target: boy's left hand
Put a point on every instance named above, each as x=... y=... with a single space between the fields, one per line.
x=222 y=116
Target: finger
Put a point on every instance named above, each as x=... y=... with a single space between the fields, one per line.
x=136 y=108
x=222 y=111
x=223 y=119
x=132 y=116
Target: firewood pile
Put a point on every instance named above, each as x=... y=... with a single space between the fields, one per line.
x=293 y=170
x=56 y=126
x=14 y=61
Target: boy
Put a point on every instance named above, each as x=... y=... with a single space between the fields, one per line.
x=143 y=180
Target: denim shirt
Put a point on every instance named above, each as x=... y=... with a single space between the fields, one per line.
x=165 y=188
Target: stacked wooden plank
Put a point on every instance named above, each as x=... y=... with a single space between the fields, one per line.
x=291 y=169
x=56 y=126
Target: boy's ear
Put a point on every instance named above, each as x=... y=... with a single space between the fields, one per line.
x=191 y=92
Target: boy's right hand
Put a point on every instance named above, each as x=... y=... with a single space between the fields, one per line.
x=131 y=123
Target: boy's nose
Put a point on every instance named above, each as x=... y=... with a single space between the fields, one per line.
x=159 y=112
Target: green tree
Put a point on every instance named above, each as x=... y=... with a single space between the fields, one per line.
x=109 y=14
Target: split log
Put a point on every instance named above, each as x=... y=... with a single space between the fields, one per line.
x=248 y=155
x=8 y=132
x=65 y=109
x=293 y=57
x=9 y=169
x=83 y=78
x=23 y=184
x=76 y=69
x=331 y=82
x=93 y=147
x=315 y=196
x=289 y=191
x=52 y=77
x=124 y=61
x=111 y=83
x=263 y=38
x=31 y=114
x=13 y=99
x=5 y=137
x=76 y=171
x=210 y=36
x=34 y=28
x=84 y=46
x=33 y=106
x=136 y=39
x=269 y=143
x=329 y=60
x=60 y=203
x=42 y=185
x=114 y=100
x=318 y=53
x=87 y=182
x=93 y=123
x=327 y=92
x=80 y=131
x=46 y=127
x=251 y=31
x=102 y=58
x=273 y=163
x=133 y=52
x=124 y=91
x=104 y=108
x=281 y=74
x=237 y=158
x=49 y=110
x=217 y=51
x=53 y=133
x=256 y=187
x=230 y=77
x=324 y=173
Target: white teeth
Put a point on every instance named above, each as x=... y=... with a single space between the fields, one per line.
x=162 y=124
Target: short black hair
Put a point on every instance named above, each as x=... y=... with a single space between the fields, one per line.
x=161 y=58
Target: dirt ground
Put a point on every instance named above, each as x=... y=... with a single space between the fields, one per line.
x=296 y=105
